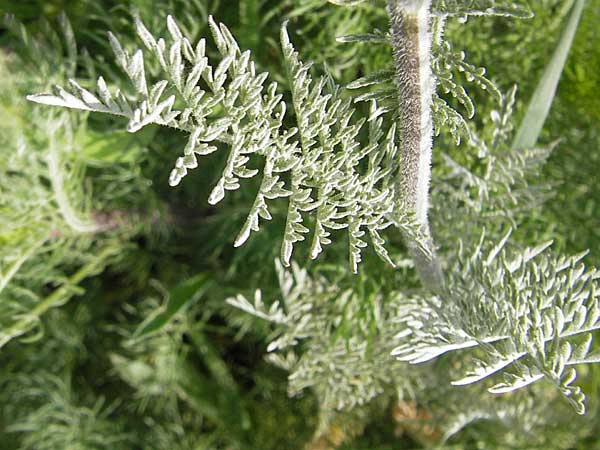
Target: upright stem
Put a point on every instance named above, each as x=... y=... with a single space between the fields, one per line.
x=411 y=42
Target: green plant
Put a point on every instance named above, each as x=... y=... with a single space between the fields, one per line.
x=317 y=160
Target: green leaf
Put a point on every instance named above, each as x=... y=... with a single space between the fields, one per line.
x=180 y=298
x=542 y=98
x=116 y=147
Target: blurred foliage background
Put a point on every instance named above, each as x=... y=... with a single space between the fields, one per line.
x=148 y=355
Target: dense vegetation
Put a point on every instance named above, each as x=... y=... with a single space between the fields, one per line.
x=128 y=320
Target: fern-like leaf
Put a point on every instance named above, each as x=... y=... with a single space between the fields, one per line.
x=529 y=313
x=229 y=103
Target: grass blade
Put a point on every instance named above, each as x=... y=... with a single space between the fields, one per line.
x=542 y=98
x=181 y=297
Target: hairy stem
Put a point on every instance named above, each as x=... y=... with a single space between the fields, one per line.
x=411 y=42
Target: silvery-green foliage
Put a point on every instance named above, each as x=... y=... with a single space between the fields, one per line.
x=497 y=184
x=62 y=418
x=330 y=339
x=341 y=195
x=150 y=367
x=528 y=315
x=45 y=220
x=464 y=8
x=52 y=55
x=445 y=64
x=520 y=420
x=528 y=312
x=497 y=299
x=323 y=21
x=346 y=182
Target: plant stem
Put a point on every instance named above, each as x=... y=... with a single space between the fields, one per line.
x=411 y=42
x=71 y=217
x=59 y=297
